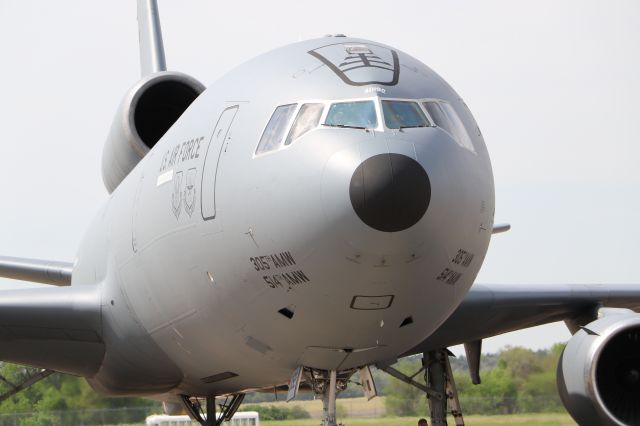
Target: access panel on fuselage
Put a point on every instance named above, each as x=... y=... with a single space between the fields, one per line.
x=214 y=151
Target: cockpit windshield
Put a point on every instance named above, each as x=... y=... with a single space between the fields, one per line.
x=307 y=120
x=356 y=115
x=276 y=128
x=403 y=114
x=445 y=117
x=291 y=122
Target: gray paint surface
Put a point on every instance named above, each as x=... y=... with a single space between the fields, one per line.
x=501 y=308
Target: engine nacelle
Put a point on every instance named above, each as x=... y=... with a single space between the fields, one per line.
x=147 y=111
x=599 y=371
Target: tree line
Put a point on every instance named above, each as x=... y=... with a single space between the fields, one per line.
x=62 y=399
x=513 y=380
x=516 y=380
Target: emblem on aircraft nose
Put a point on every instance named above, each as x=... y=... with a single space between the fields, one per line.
x=390 y=192
x=360 y=64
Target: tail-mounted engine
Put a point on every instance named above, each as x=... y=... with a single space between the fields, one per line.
x=599 y=371
x=147 y=111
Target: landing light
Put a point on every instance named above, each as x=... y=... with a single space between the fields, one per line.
x=356 y=49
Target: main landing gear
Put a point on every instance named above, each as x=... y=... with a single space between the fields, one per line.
x=197 y=412
x=441 y=391
x=30 y=377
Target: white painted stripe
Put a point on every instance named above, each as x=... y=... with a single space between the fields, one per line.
x=165 y=177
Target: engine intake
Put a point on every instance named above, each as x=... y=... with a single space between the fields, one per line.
x=147 y=111
x=599 y=371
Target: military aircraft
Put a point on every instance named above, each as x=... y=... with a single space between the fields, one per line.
x=290 y=227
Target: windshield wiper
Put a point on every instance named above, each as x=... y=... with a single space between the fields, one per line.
x=412 y=127
x=345 y=126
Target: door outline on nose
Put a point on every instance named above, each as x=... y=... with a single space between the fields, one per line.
x=217 y=141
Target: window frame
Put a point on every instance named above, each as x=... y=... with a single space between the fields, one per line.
x=422 y=108
x=381 y=125
x=295 y=117
x=327 y=104
x=376 y=105
x=454 y=137
x=286 y=132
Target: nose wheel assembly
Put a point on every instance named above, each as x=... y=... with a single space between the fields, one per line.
x=440 y=390
x=440 y=387
x=326 y=384
x=329 y=401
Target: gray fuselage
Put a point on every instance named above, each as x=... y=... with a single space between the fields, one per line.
x=222 y=270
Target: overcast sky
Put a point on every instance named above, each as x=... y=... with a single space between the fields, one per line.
x=554 y=86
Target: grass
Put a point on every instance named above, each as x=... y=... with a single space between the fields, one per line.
x=555 y=419
x=351 y=407
x=515 y=419
x=360 y=412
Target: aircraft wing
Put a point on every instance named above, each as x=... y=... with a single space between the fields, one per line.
x=57 y=328
x=491 y=309
x=40 y=271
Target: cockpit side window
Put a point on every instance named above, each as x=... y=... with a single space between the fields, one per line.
x=439 y=117
x=276 y=128
x=445 y=117
x=356 y=115
x=307 y=119
x=403 y=114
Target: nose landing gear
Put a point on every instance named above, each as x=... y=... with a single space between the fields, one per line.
x=329 y=401
x=326 y=384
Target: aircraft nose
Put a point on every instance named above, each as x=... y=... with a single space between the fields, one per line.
x=390 y=192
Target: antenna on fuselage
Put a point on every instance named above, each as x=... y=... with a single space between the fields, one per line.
x=150 y=38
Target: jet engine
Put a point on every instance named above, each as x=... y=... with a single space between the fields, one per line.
x=147 y=111
x=599 y=371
